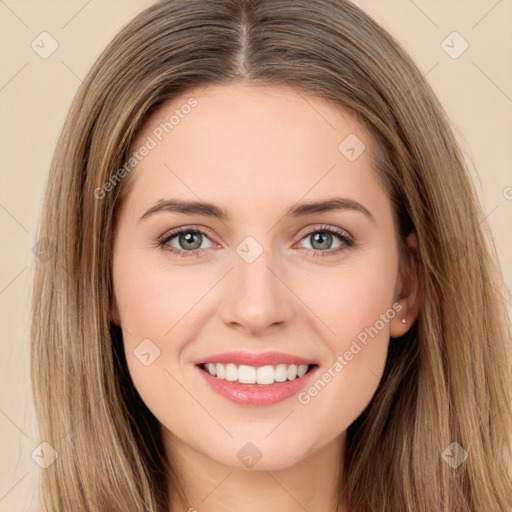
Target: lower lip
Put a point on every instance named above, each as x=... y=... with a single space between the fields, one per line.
x=256 y=395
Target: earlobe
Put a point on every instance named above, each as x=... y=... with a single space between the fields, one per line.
x=410 y=294
x=400 y=325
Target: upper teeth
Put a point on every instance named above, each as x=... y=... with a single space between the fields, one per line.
x=252 y=375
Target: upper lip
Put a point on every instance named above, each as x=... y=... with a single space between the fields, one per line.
x=252 y=359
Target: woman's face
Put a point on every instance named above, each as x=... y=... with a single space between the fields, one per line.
x=315 y=286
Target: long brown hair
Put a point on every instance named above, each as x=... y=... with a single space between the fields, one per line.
x=448 y=380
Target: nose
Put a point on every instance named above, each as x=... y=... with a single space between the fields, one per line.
x=257 y=298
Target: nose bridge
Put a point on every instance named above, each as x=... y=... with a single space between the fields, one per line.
x=256 y=298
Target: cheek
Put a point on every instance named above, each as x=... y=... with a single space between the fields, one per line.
x=355 y=307
x=351 y=298
x=158 y=308
x=340 y=308
x=150 y=304
x=152 y=299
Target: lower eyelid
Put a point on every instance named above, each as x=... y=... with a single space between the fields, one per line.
x=345 y=240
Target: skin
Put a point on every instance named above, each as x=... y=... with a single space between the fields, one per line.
x=255 y=152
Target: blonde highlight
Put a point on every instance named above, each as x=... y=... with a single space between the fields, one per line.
x=447 y=380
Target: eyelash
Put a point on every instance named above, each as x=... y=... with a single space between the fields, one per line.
x=347 y=241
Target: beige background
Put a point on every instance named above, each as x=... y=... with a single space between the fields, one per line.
x=35 y=93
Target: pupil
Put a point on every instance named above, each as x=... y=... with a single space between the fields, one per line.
x=320 y=237
x=317 y=237
x=187 y=238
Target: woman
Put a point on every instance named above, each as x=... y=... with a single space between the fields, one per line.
x=260 y=367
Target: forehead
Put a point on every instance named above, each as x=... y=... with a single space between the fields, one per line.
x=243 y=141
x=241 y=111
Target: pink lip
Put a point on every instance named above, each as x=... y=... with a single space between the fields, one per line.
x=250 y=359
x=255 y=395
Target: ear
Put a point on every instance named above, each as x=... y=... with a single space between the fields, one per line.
x=114 y=312
x=409 y=290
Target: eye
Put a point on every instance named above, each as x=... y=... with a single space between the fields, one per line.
x=321 y=239
x=189 y=241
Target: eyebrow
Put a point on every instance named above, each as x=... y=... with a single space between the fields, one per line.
x=298 y=210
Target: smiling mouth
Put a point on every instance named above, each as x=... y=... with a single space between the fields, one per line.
x=260 y=375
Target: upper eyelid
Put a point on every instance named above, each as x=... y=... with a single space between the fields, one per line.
x=185 y=229
x=206 y=231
